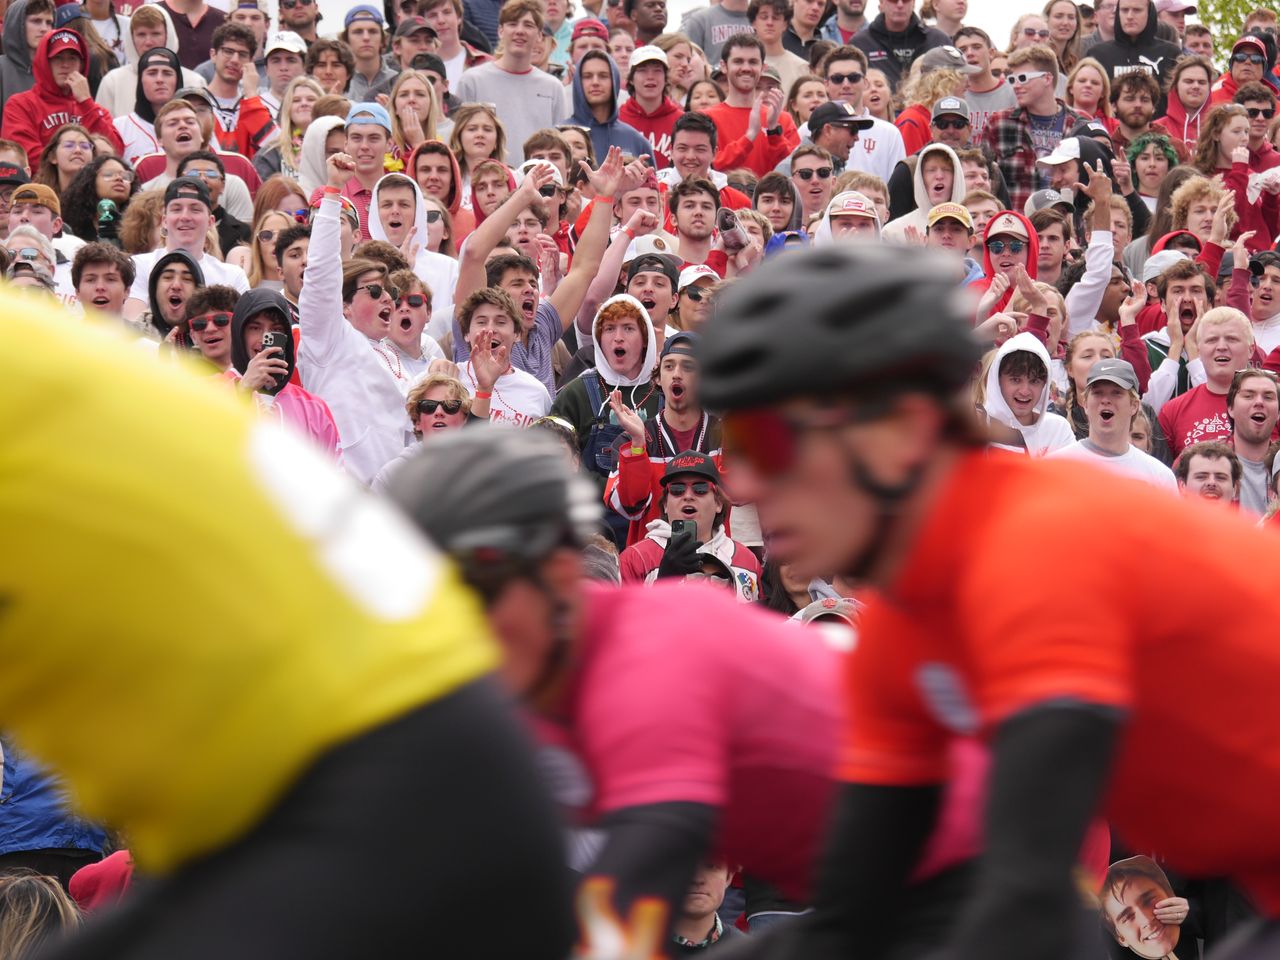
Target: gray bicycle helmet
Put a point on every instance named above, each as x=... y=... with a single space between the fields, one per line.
x=844 y=319
x=496 y=500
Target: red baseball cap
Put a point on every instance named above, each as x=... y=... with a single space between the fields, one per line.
x=65 y=38
x=589 y=27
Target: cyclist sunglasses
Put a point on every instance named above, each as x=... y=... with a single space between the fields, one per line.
x=202 y=322
x=822 y=173
x=997 y=246
x=678 y=487
x=375 y=291
x=429 y=406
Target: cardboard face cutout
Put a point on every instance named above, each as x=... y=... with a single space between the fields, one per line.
x=1131 y=893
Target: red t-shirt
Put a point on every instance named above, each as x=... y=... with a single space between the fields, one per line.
x=1195 y=416
x=1185 y=647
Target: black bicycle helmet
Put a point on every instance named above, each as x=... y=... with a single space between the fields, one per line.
x=496 y=500
x=843 y=319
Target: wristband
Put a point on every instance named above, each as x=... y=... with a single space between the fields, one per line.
x=631 y=234
x=484 y=394
x=332 y=191
x=608 y=200
x=636 y=450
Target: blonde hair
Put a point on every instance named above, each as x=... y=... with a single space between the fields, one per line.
x=1221 y=316
x=289 y=159
x=1040 y=56
x=1195 y=190
x=34 y=910
x=1088 y=63
x=428 y=383
x=433 y=109
x=257 y=264
x=928 y=88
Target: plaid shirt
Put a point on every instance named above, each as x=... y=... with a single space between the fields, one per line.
x=1008 y=138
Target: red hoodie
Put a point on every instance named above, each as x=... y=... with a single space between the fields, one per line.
x=655 y=127
x=464 y=221
x=1033 y=257
x=1182 y=127
x=33 y=117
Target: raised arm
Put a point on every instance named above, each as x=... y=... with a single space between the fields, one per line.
x=478 y=246
x=1085 y=298
x=571 y=291
x=320 y=318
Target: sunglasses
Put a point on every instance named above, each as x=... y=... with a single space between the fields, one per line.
x=1256 y=59
x=266 y=236
x=1028 y=76
x=696 y=294
x=26 y=253
x=414 y=300
x=1033 y=32
x=1265 y=112
x=998 y=73
x=822 y=173
x=375 y=290
x=767 y=440
x=998 y=246
x=290 y=4
x=202 y=322
x=434 y=216
x=950 y=123
x=700 y=487
x=429 y=406
x=842 y=78
x=203 y=174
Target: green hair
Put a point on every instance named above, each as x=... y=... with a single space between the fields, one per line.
x=1147 y=139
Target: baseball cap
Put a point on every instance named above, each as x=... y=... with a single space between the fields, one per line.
x=374 y=113
x=66 y=13
x=952 y=211
x=1250 y=41
x=851 y=203
x=1008 y=224
x=1068 y=148
x=285 y=40
x=685 y=343
x=1175 y=6
x=1113 y=370
x=1225 y=268
x=691 y=463
x=947 y=58
x=252 y=5
x=840 y=113
x=589 y=27
x=648 y=245
x=1090 y=128
x=951 y=106
x=187 y=188
x=429 y=61
x=523 y=171
x=65 y=39
x=1045 y=198
x=187 y=92
x=691 y=275
x=12 y=174
x=348 y=208
x=39 y=194
x=415 y=24
x=363 y=11
x=769 y=72
x=1158 y=263
x=841 y=609
x=646 y=54
x=665 y=264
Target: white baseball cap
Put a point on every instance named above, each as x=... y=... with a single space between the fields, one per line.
x=646 y=54
x=1067 y=149
x=691 y=275
x=285 y=40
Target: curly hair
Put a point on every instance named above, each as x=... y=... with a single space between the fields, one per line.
x=1206 y=155
x=928 y=88
x=141 y=218
x=80 y=199
x=1195 y=190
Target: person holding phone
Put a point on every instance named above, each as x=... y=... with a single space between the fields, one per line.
x=263 y=362
x=690 y=529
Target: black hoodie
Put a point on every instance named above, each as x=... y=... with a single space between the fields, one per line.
x=1146 y=52
x=153 y=57
x=894 y=52
x=1091 y=154
x=180 y=256
x=250 y=305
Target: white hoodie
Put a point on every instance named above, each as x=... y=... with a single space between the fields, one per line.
x=611 y=376
x=437 y=271
x=118 y=91
x=312 y=174
x=1050 y=432
x=896 y=229
x=822 y=235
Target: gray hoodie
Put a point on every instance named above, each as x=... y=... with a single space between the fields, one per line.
x=15 y=66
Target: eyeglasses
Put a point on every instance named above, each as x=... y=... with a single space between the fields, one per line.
x=200 y=323
x=1028 y=76
x=1032 y=32
x=235 y=53
x=203 y=174
x=840 y=79
x=80 y=146
x=822 y=173
x=998 y=246
x=950 y=123
x=1265 y=112
x=375 y=291
x=414 y=300
x=290 y=4
x=1256 y=59
x=434 y=216
x=430 y=406
x=700 y=487
x=128 y=176
x=696 y=293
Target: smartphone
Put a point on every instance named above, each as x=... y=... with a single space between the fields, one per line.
x=274 y=338
x=679 y=526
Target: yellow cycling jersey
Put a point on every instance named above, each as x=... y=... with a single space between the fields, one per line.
x=194 y=605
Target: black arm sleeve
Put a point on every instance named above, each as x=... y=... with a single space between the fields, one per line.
x=1050 y=769
x=650 y=853
x=1141 y=215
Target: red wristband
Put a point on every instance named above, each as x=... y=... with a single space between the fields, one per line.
x=631 y=234
x=483 y=394
x=331 y=190
x=608 y=200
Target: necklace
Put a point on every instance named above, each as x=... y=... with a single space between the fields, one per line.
x=397 y=371
x=475 y=387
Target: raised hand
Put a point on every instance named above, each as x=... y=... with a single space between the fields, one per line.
x=628 y=419
x=1037 y=303
x=998 y=288
x=340 y=168
x=605 y=178
x=488 y=363
x=1133 y=304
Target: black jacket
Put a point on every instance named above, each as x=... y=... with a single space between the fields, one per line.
x=1146 y=52
x=156 y=318
x=250 y=304
x=894 y=52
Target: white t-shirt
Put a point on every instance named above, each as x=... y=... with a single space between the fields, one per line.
x=1133 y=463
x=518 y=399
x=453 y=68
x=215 y=271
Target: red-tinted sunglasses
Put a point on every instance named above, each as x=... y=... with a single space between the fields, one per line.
x=768 y=439
x=217 y=319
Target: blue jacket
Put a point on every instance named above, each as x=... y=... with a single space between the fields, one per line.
x=613 y=132
x=33 y=811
